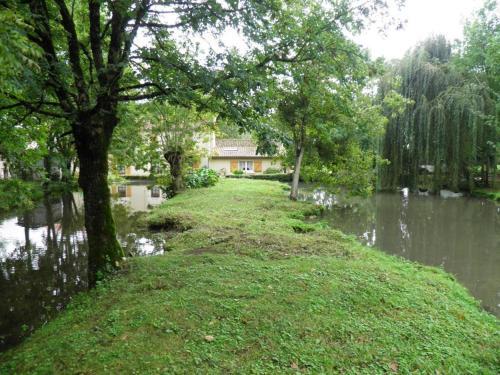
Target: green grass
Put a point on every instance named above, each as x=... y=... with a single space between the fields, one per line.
x=488 y=193
x=249 y=286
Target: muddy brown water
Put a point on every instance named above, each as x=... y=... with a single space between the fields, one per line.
x=43 y=255
x=461 y=235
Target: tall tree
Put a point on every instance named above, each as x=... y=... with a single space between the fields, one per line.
x=445 y=131
x=479 y=59
x=89 y=64
x=312 y=93
x=85 y=73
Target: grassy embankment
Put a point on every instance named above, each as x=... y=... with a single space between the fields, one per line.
x=488 y=193
x=248 y=286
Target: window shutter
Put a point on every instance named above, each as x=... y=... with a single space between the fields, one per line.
x=234 y=165
x=257 y=165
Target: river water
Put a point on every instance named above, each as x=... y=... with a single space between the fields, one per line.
x=461 y=235
x=43 y=255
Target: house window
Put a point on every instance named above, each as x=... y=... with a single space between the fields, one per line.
x=122 y=191
x=155 y=192
x=246 y=166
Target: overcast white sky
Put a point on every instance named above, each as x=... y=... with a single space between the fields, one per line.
x=424 y=18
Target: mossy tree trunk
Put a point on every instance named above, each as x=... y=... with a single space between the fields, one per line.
x=93 y=136
x=174 y=160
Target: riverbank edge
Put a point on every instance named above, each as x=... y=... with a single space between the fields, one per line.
x=249 y=285
x=487 y=193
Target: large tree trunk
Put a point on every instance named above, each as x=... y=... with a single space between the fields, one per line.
x=299 y=153
x=174 y=159
x=93 y=136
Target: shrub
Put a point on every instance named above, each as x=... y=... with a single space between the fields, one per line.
x=203 y=177
x=238 y=172
x=283 y=177
x=164 y=181
x=272 y=170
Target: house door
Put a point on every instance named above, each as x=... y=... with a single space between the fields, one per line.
x=246 y=166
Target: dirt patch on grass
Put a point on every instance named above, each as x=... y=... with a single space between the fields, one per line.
x=204 y=250
x=170 y=224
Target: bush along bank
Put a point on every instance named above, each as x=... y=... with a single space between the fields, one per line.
x=249 y=286
x=493 y=194
x=282 y=177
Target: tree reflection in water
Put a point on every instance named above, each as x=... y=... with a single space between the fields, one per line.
x=43 y=256
x=42 y=264
x=461 y=235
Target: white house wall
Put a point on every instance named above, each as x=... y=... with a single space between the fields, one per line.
x=220 y=165
x=133 y=171
x=3 y=165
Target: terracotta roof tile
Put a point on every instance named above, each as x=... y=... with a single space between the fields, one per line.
x=235 y=148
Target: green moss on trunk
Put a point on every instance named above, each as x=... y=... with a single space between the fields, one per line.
x=105 y=253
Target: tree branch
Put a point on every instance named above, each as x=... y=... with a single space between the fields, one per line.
x=156 y=25
x=34 y=108
x=74 y=52
x=10 y=106
x=40 y=17
x=154 y=94
x=140 y=13
x=95 y=38
x=140 y=86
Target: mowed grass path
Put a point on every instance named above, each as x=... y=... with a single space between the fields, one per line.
x=248 y=286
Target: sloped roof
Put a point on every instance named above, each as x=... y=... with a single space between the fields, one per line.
x=236 y=148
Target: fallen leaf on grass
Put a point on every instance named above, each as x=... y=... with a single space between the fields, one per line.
x=209 y=338
x=394 y=367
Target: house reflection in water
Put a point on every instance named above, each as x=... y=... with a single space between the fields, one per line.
x=138 y=197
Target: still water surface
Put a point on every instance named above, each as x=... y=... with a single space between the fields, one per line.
x=461 y=235
x=43 y=255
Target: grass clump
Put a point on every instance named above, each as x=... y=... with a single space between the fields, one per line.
x=488 y=193
x=242 y=292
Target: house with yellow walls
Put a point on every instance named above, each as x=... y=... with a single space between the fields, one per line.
x=137 y=196
x=223 y=155
x=226 y=156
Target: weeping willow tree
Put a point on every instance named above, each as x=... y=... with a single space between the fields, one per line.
x=447 y=133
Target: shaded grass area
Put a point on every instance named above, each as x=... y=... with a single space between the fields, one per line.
x=249 y=286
